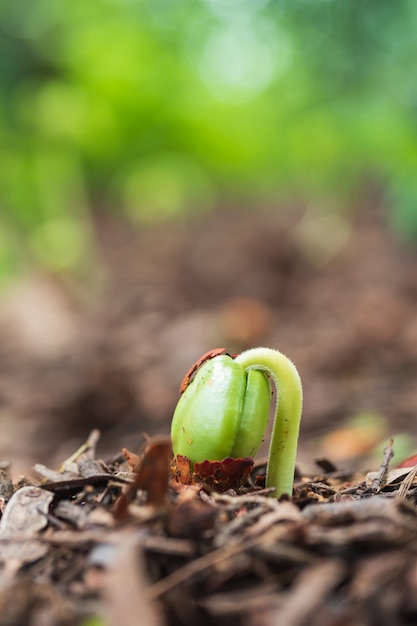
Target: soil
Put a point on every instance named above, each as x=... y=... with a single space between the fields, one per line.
x=107 y=351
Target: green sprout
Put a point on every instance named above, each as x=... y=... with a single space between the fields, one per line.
x=224 y=409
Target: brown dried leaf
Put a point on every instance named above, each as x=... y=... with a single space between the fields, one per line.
x=152 y=477
x=223 y=475
x=219 y=475
x=133 y=459
x=25 y=514
x=153 y=473
x=181 y=470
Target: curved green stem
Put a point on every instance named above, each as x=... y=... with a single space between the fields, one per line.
x=284 y=439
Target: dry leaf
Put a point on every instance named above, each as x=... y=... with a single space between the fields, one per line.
x=219 y=475
x=25 y=514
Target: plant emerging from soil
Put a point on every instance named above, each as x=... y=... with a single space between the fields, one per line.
x=224 y=408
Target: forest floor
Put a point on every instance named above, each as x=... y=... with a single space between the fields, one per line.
x=105 y=354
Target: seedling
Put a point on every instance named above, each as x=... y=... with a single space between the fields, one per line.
x=224 y=408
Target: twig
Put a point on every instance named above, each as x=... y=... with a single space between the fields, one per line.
x=380 y=477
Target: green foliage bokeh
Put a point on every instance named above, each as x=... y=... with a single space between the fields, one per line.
x=155 y=108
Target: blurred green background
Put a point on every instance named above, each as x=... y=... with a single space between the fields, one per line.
x=154 y=109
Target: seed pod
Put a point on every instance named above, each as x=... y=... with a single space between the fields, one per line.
x=222 y=412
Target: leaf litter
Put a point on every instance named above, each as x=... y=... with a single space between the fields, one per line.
x=96 y=543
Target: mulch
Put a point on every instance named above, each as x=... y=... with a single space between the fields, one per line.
x=122 y=542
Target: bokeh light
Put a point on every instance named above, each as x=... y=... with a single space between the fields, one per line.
x=157 y=109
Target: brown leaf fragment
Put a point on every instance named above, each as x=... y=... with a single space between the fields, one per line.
x=26 y=512
x=181 y=470
x=24 y=517
x=223 y=475
x=153 y=473
x=206 y=357
x=152 y=477
x=133 y=459
x=218 y=475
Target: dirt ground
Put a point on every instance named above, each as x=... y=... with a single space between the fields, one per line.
x=109 y=351
x=90 y=543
